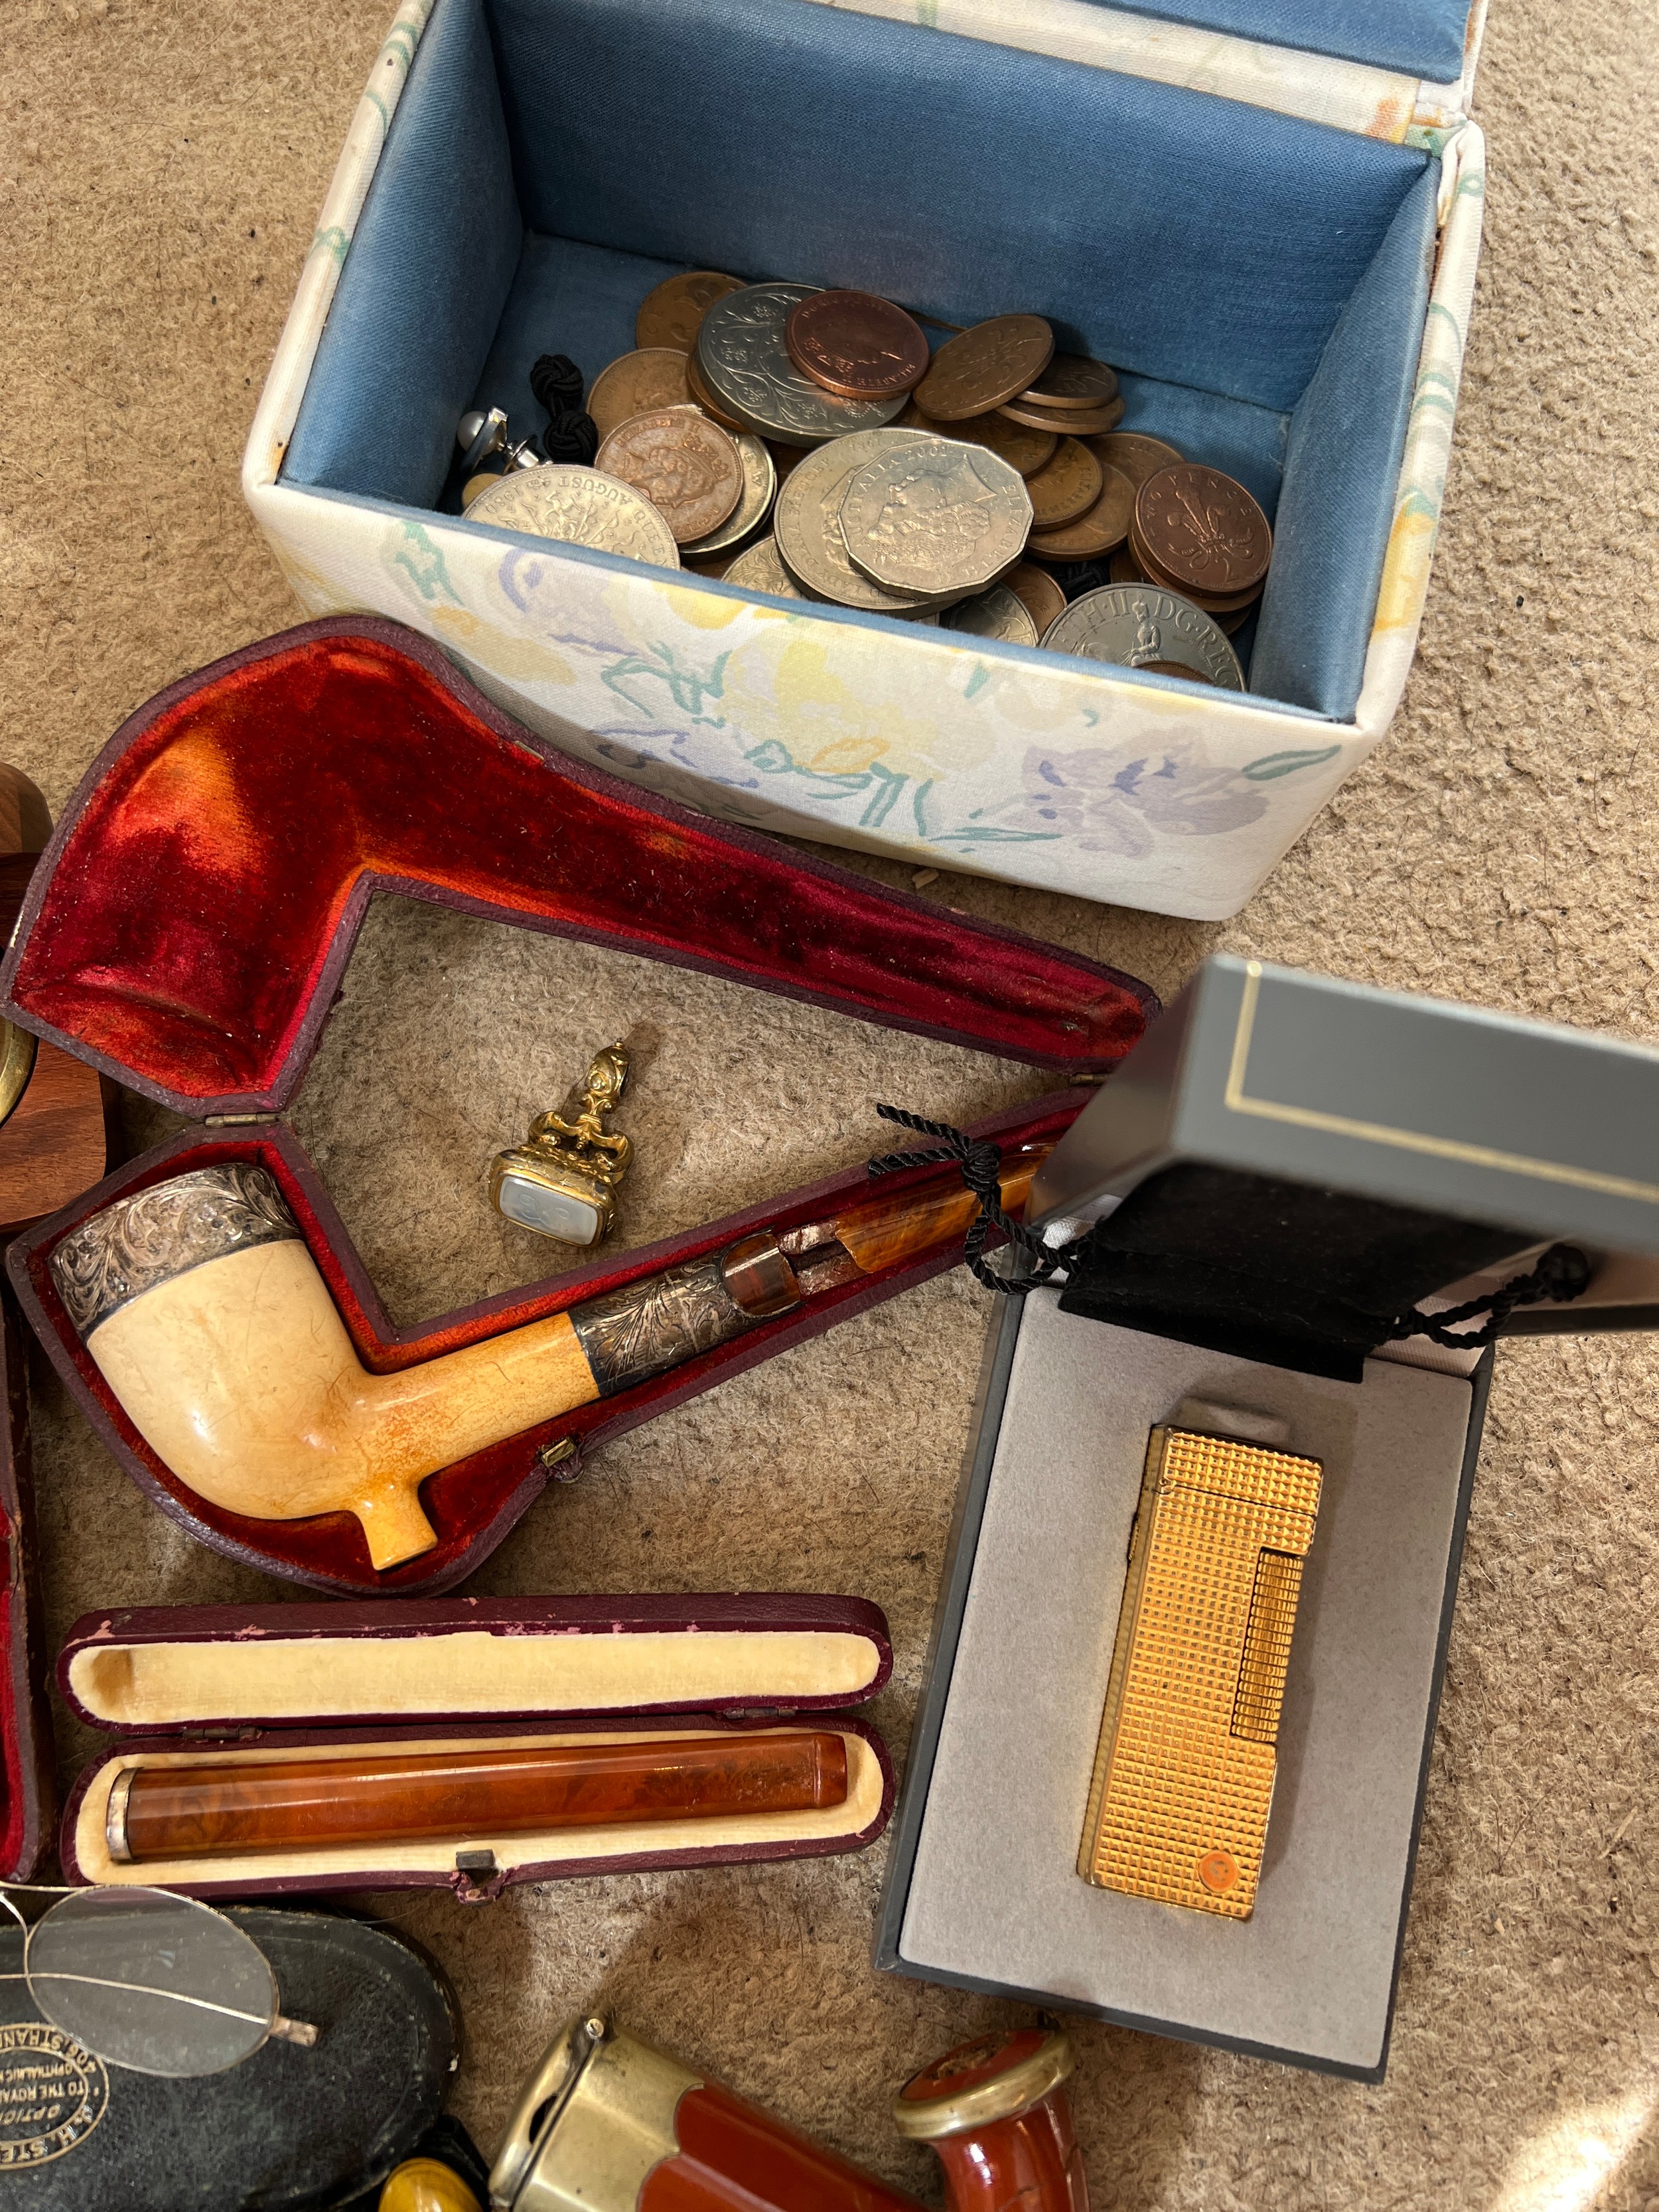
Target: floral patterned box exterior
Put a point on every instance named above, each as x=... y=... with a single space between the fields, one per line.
x=1032 y=767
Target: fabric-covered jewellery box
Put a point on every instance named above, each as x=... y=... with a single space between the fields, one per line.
x=205 y=1685
x=1284 y=1171
x=194 y=959
x=1265 y=216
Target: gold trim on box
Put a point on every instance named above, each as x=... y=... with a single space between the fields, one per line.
x=1410 y=1141
x=1183 y=1777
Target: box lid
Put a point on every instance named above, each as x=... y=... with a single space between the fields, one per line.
x=189 y=923
x=213 y=1670
x=1289 y=1165
x=1417 y=38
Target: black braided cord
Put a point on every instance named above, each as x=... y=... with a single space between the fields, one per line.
x=1561 y=1273
x=572 y=436
x=557 y=383
x=982 y=1169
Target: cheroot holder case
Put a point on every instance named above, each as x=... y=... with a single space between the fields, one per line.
x=191 y=917
x=209 y=1685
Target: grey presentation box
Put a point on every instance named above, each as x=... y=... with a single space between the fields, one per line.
x=1447 y=1117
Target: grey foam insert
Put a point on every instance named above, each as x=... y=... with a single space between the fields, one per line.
x=994 y=1894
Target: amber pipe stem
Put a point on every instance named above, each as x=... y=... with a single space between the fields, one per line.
x=881 y=1231
x=302 y=1804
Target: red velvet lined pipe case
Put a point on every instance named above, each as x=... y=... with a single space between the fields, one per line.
x=188 y=924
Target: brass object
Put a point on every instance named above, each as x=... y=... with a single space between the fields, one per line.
x=1001 y=2096
x=1183 y=1779
x=561 y=1181
x=594 y=2119
x=16 y=1065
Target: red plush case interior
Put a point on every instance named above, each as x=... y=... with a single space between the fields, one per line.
x=188 y=924
x=522 y=1621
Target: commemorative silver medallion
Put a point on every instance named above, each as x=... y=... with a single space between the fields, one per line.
x=578 y=507
x=743 y=358
x=1142 y=625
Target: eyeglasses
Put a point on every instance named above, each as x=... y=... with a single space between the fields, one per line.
x=149 y=1980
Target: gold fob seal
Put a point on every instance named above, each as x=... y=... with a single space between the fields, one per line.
x=1183 y=1779
x=561 y=1181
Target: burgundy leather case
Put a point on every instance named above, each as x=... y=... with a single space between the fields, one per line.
x=187 y=927
x=102 y=1674
x=30 y=1805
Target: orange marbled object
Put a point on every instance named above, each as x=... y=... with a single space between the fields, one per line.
x=733 y=2157
x=251 y=1806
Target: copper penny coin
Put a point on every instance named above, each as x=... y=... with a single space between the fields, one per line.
x=1105 y=525
x=686 y=466
x=1027 y=451
x=1203 y=530
x=670 y=314
x=635 y=384
x=1137 y=455
x=1066 y=488
x=986 y=365
x=1065 y=422
x=856 y=345
x=1037 y=593
x=697 y=385
x=1071 y=380
x=1156 y=572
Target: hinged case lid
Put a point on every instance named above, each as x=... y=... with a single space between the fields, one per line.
x=1288 y=1163
x=207 y=1669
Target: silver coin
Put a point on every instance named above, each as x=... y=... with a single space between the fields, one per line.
x=996 y=613
x=578 y=507
x=807 y=520
x=760 y=489
x=741 y=352
x=938 y=516
x=761 y=569
x=1134 y=624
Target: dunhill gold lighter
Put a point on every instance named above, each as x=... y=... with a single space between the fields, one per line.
x=1183 y=1780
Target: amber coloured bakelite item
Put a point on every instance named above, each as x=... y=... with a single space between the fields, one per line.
x=733 y=2157
x=193 y=1812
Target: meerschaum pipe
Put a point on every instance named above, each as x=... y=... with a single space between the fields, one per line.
x=200 y=1303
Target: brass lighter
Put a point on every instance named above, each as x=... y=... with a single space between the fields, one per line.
x=1183 y=1780
x=562 y=1180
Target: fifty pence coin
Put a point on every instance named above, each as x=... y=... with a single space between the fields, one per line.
x=1066 y=487
x=670 y=314
x=1203 y=530
x=1071 y=380
x=762 y=570
x=1138 y=625
x=935 y=517
x=686 y=466
x=807 y=523
x=855 y=345
x=997 y=614
x=635 y=384
x=1037 y=593
x=984 y=365
x=743 y=360
x=760 y=489
x=582 y=507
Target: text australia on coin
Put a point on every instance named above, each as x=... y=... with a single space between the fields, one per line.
x=935 y=517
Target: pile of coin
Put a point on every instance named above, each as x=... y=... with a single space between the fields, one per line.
x=900 y=480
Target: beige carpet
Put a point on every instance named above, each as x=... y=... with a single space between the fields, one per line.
x=161 y=162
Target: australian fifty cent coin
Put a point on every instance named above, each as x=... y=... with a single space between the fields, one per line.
x=1143 y=626
x=935 y=517
x=686 y=466
x=582 y=507
x=671 y=312
x=807 y=525
x=855 y=345
x=984 y=365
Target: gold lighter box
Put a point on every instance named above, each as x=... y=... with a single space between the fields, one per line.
x=1183 y=1780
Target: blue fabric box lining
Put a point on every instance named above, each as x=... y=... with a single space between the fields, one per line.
x=1261 y=283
